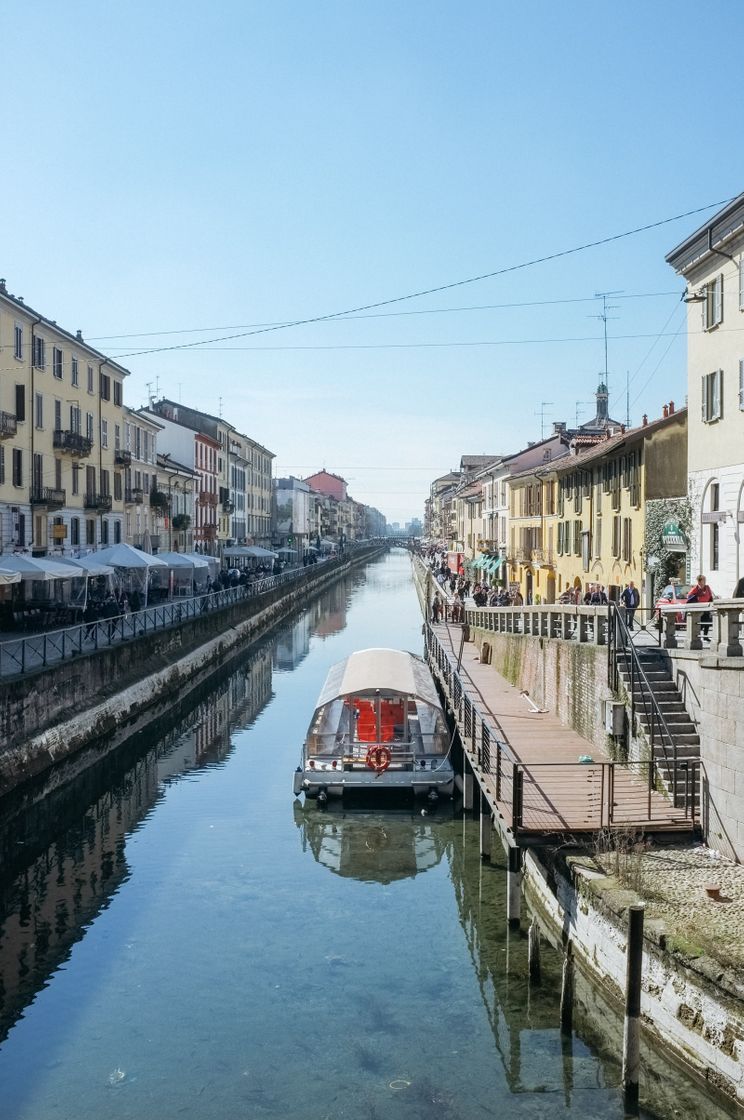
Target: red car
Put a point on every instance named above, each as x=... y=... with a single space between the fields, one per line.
x=673 y=593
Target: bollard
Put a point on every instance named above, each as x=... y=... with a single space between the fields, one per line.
x=632 y=1028
x=513 y=891
x=533 y=952
x=567 y=990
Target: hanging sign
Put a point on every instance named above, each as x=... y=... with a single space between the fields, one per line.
x=673 y=538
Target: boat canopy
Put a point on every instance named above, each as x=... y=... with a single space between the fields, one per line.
x=389 y=670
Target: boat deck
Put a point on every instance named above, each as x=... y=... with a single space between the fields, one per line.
x=556 y=794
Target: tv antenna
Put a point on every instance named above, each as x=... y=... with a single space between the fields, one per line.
x=603 y=317
x=580 y=406
x=541 y=413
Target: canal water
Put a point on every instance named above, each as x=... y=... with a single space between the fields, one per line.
x=180 y=938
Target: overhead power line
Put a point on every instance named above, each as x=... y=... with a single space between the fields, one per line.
x=440 y=287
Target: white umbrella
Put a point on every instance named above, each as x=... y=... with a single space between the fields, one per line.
x=88 y=564
x=257 y=551
x=37 y=568
x=6 y=576
x=183 y=560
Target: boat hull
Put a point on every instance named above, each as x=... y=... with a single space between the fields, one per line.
x=335 y=783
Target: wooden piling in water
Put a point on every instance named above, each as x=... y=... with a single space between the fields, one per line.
x=567 y=990
x=632 y=1027
x=533 y=952
x=514 y=888
x=486 y=826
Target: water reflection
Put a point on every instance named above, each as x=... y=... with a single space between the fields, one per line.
x=324 y=617
x=374 y=847
x=63 y=844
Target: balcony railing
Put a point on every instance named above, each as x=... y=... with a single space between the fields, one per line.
x=123 y=458
x=8 y=425
x=100 y=502
x=207 y=498
x=47 y=496
x=135 y=496
x=72 y=442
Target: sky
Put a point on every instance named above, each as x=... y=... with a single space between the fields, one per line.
x=181 y=173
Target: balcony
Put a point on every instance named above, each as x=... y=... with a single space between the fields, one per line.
x=206 y=498
x=73 y=443
x=8 y=425
x=209 y=532
x=101 y=502
x=134 y=497
x=123 y=458
x=47 y=496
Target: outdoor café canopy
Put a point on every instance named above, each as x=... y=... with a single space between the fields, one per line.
x=124 y=556
x=183 y=560
x=37 y=568
x=6 y=577
x=88 y=564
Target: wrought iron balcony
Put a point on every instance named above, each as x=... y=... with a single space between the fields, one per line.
x=8 y=425
x=72 y=442
x=123 y=458
x=47 y=496
x=101 y=502
x=135 y=496
x=207 y=498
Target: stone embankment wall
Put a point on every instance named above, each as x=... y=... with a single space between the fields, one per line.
x=691 y=1006
x=712 y=688
x=568 y=678
x=53 y=713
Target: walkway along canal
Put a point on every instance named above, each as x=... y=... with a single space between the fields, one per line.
x=178 y=939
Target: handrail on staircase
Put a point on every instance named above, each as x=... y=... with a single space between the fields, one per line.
x=620 y=647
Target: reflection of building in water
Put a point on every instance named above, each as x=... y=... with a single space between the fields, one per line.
x=329 y=610
x=293 y=644
x=375 y=848
x=63 y=854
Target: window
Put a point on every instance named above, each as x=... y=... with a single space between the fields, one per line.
x=57 y=363
x=117 y=532
x=57 y=416
x=105 y=484
x=627 y=539
x=89 y=425
x=76 y=478
x=90 y=480
x=616 y=535
x=57 y=474
x=39 y=410
x=2 y=464
x=39 y=352
x=713 y=306
x=714 y=547
x=17 y=467
x=117 y=486
x=75 y=419
x=90 y=531
x=712 y=396
x=18 y=342
x=117 y=437
x=104 y=531
x=104 y=433
x=577 y=538
x=37 y=471
x=74 y=371
x=75 y=531
x=90 y=379
x=117 y=393
x=20 y=402
x=105 y=387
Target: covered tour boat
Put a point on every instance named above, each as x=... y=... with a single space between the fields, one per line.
x=378 y=725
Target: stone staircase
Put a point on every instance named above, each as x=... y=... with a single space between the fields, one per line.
x=656 y=666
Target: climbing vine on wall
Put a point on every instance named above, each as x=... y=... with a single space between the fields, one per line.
x=658 y=513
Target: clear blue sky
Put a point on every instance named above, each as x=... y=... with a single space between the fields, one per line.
x=173 y=167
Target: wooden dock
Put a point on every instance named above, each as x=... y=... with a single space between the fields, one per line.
x=541 y=779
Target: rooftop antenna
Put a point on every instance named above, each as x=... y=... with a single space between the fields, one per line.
x=220 y=410
x=150 y=397
x=603 y=316
x=580 y=406
x=627 y=398
x=541 y=413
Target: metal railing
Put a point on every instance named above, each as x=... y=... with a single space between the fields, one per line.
x=73 y=442
x=37 y=651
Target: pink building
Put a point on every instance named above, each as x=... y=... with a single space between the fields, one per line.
x=331 y=485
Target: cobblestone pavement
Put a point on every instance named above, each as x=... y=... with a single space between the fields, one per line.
x=672 y=881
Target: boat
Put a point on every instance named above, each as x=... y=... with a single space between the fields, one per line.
x=378 y=726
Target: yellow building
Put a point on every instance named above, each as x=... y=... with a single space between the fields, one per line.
x=599 y=523
x=62 y=455
x=531 y=548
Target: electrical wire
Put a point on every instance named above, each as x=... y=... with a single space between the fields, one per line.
x=444 y=287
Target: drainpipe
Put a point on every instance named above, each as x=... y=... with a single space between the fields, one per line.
x=32 y=424
x=719 y=252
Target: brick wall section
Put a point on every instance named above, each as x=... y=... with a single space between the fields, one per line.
x=565 y=677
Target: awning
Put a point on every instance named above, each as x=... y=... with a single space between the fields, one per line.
x=39 y=568
x=7 y=576
x=85 y=564
x=124 y=556
x=181 y=560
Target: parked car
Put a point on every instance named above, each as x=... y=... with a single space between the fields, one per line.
x=673 y=593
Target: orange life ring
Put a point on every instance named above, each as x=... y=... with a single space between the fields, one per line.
x=378 y=758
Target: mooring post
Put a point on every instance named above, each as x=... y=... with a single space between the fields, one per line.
x=533 y=952
x=513 y=888
x=567 y=990
x=632 y=1029
x=467 y=786
x=485 y=828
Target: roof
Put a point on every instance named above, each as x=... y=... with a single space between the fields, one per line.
x=717 y=230
x=389 y=670
x=615 y=443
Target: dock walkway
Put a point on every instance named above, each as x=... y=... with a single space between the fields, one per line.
x=540 y=778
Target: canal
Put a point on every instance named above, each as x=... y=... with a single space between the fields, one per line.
x=178 y=938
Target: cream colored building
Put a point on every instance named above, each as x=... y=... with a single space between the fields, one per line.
x=62 y=422
x=711 y=261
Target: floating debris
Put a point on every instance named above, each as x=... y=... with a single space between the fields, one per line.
x=117 y=1076
x=399 y=1083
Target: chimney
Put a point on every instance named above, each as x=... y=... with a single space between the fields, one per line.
x=79 y=335
x=559 y=426
x=671 y=408
x=645 y=421
x=3 y=289
x=665 y=411
x=622 y=429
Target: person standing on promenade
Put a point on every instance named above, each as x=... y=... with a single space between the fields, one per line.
x=630 y=600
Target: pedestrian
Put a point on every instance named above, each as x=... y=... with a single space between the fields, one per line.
x=436 y=609
x=702 y=593
x=739 y=589
x=630 y=600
